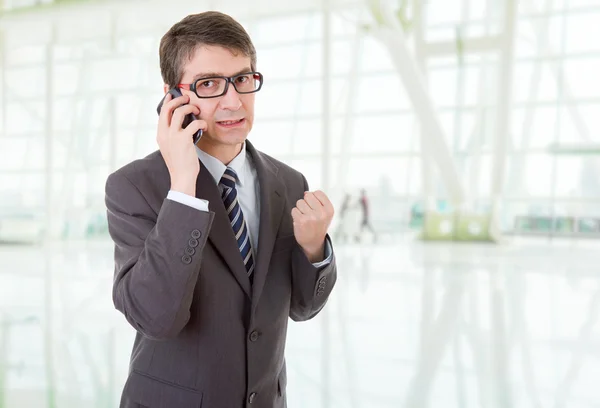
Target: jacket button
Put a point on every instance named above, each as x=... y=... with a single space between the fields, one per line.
x=193 y=242
x=186 y=259
x=251 y=398
x=196 y=234
x=254 y=336
x=190 y=251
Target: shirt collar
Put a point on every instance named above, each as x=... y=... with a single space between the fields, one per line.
x=216 y=168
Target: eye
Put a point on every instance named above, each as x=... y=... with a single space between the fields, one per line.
x=207 y=84
x=242 y=79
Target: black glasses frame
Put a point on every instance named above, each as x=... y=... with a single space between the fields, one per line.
x=228 y=80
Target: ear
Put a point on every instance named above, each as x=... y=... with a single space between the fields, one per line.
x=166 y=88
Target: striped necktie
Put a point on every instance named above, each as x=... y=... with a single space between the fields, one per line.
x=236 y=218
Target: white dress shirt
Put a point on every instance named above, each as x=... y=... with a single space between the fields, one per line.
x=248 y=193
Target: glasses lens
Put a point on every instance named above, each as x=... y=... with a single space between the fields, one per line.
x=207 y=87
x=247 y=83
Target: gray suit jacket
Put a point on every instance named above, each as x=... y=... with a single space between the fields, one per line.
x=205 y=336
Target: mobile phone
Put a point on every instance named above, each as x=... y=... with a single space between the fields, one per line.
x=189 y=118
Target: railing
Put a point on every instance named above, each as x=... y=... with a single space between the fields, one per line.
x=557 y=226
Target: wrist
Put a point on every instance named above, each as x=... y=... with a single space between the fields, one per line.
x=315 y=254
x=185 y=187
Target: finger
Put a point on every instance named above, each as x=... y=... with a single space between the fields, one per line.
x=313 y=202
x=181 y=112
x=168 y=104
x=296 y=214
x=327 y=204
x=195 y=126
x=163 y=120
x=166 y=112
x=322 y=197
x=303 y=207
x=166 y=100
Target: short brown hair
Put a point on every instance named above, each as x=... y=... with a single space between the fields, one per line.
x=209 y=28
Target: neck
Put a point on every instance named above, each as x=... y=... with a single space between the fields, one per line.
x=224 y=153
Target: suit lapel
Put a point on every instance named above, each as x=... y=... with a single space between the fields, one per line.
x=221 y=233
x=271 y=209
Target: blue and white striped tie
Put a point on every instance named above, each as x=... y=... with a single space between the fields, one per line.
x=236 y=218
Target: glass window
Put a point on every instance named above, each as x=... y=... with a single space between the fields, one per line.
x=377 y=93
x=589 y=115
x=534 y=127
x=581 y=74
x=290 y=62
x=582 y=30
x=375 y=56
x=25 y=117
x=534 y=178
x=535 y=81
x=272 y=136
x=382 y=133
x=533 y=32
x=285 y=29
x=442 y=86
x=439 y=12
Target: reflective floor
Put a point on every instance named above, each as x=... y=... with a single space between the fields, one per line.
x=409 y=325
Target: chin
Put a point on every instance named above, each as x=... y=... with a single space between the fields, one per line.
x=231 y=138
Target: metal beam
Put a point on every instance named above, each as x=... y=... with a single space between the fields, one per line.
x=480 y=45
x=391 y=34
x=4 y=360
x=518 y=163
x=49 y=136
x=429 y=203
x=3 y=96
x=326 y=95
x=504 y=111
x=347 y=136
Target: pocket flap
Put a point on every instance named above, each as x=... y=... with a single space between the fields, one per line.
x=154 y=392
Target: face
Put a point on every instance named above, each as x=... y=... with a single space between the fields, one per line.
x=229 y=117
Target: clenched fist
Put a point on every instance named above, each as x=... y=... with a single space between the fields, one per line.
x=312 y=216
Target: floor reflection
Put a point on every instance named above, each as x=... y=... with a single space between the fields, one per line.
x=409 y=325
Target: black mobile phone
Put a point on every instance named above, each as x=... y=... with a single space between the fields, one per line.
x=176 y=93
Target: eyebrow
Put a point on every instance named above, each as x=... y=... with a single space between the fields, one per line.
x=218 y=74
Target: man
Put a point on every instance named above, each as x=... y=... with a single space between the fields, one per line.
x=365 y=223
x=216 y=244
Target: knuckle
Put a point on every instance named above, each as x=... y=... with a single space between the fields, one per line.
x=171 y=106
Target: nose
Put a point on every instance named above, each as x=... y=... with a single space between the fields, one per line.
x=231 y=100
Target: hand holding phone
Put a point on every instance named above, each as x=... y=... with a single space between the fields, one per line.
x=178 y=151
x=176 y=93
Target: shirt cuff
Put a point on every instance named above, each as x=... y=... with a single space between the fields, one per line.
x=197 y=203
x=328 y=255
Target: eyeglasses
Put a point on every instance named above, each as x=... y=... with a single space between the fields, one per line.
x=214 y=87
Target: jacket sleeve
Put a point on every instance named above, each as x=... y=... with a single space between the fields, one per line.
x=157 y=258
x=311 y=285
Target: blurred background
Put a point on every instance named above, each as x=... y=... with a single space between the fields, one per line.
x=458 y=139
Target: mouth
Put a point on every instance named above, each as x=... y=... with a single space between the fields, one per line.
x=231 y=123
